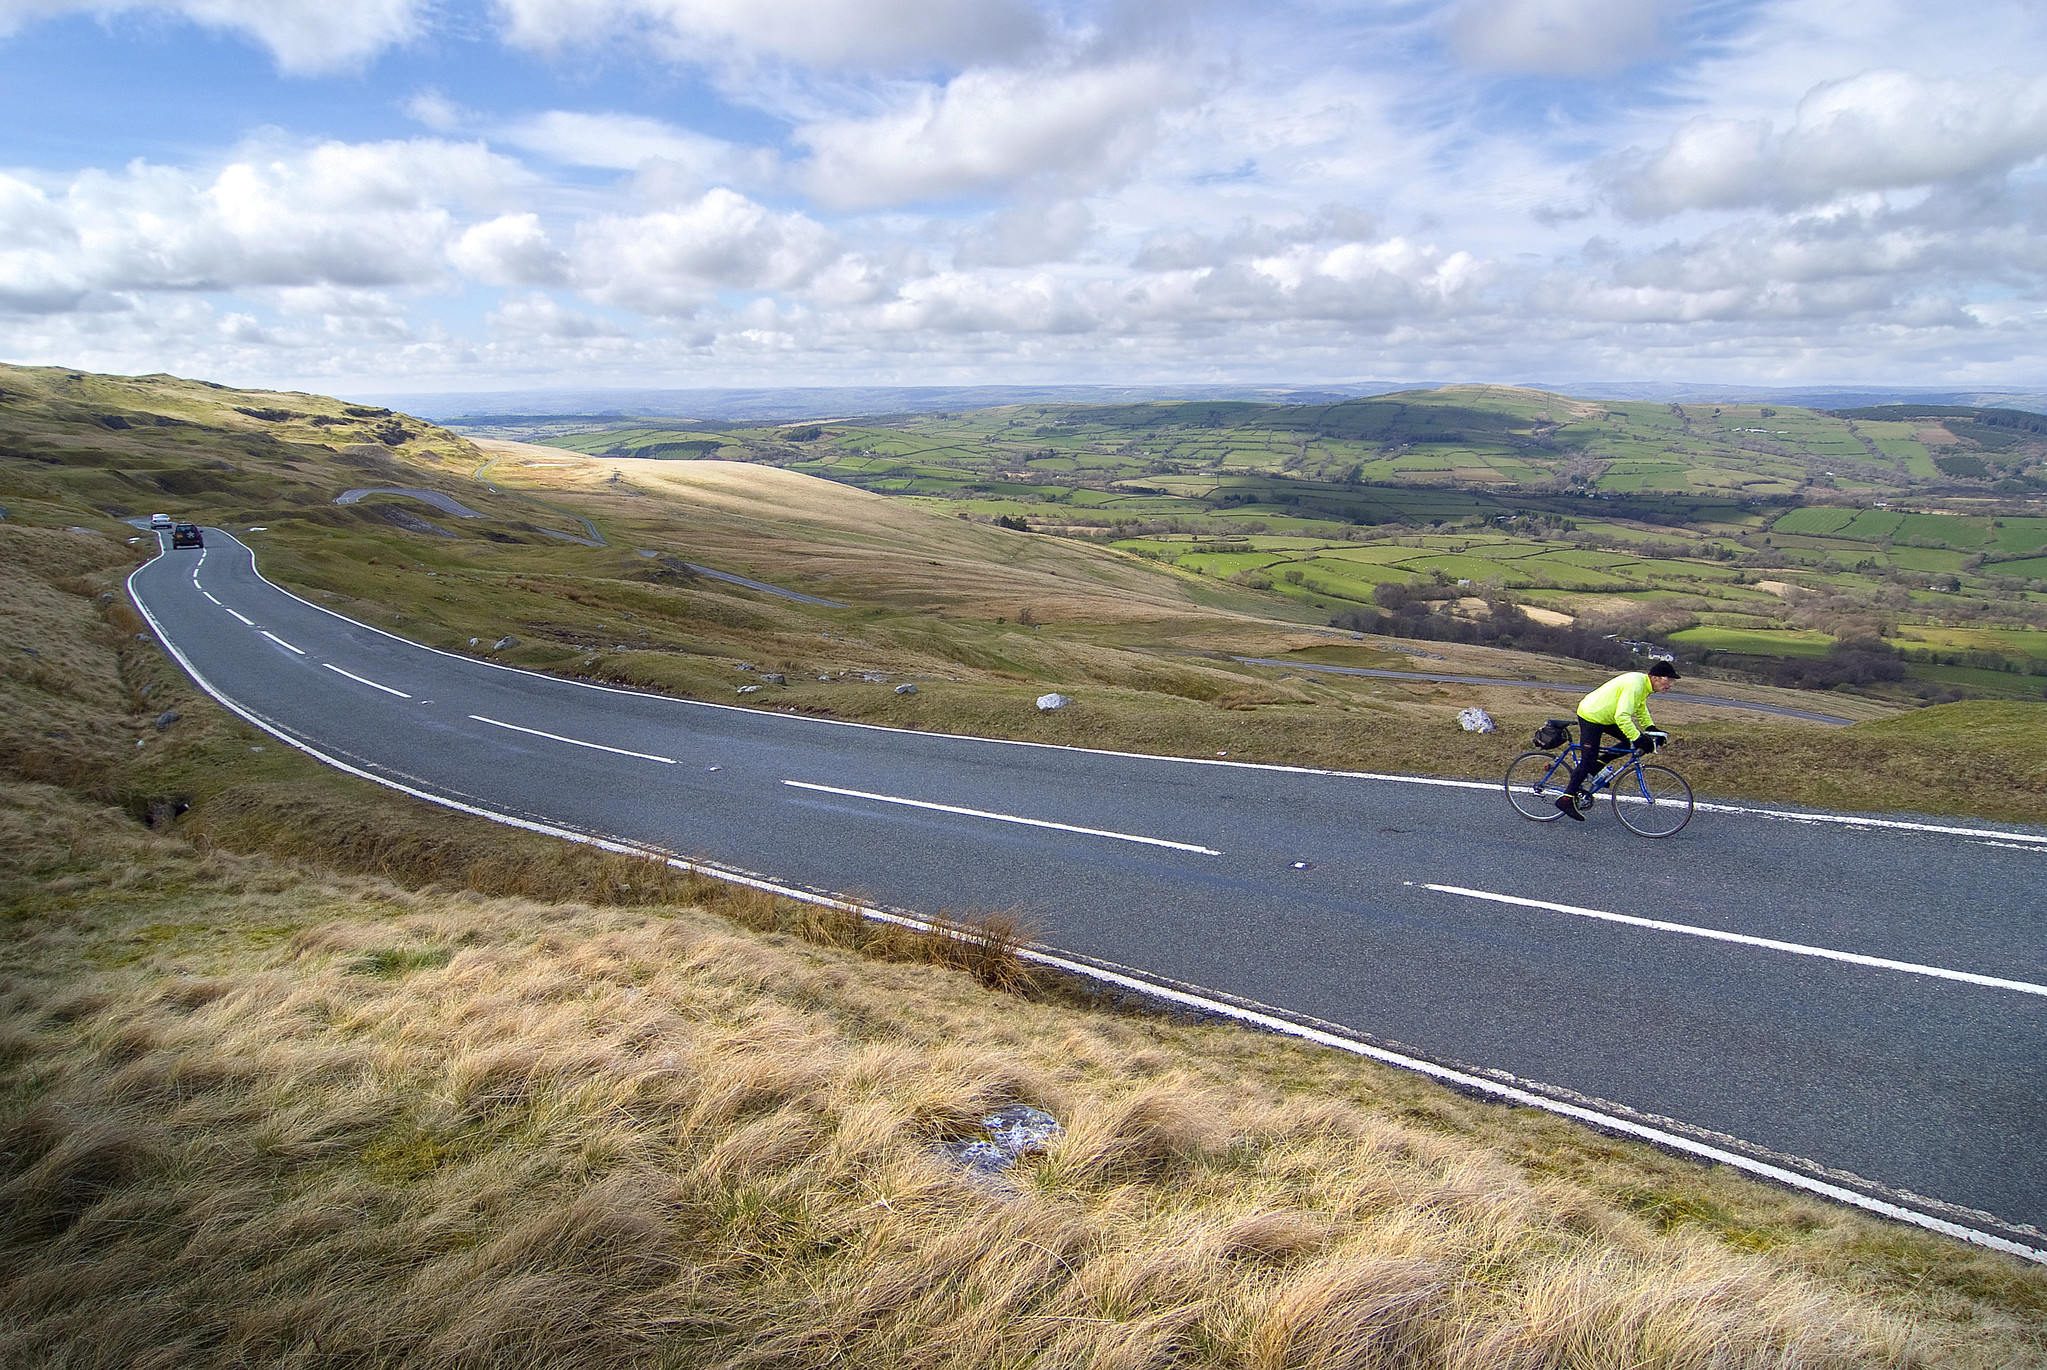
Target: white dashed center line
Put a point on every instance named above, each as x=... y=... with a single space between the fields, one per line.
x=276 y=639
x=360 y=681
x=238 y=614
x=1005 y=818
x=575 y=741
x=209 y=595
x=1771 y=944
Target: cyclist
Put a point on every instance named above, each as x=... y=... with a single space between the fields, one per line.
x=1620 y=707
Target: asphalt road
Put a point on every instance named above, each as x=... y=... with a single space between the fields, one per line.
x=1377 y=903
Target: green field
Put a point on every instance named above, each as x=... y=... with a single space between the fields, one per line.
x=2016 y=641
x=1755 y=642
x=1821 y=521
x=1637 y=517
x=1478 y=437
x=2021 y=535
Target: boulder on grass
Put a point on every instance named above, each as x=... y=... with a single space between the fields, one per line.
x=1053 y=703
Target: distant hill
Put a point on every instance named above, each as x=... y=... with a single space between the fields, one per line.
x=513 y=413
x=1802 y=397
x=1490 y=439
x=2018 y=419
x=474 y=412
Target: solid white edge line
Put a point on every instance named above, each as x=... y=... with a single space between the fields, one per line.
x=1858 y=821
x=1004 y=817
x=1673 y=1141
x=281 y=642
x=575 y=741
x=360 y=681
x=1769 y=943
x=238 y=614
x=1849 y=820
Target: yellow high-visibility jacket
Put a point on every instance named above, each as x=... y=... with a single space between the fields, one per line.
x=1622 y=702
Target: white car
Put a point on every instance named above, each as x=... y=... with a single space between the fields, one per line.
x=159 y=520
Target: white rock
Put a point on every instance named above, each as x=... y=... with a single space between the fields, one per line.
x=1053 y=703
x=906 y=689
x=748 y=689
x=1475 y=721
x=1007 y=1136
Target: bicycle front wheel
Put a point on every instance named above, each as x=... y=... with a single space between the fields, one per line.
x=1652 y=800
x=1534 y=780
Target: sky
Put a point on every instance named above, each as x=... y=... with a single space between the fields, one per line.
x=419 y=195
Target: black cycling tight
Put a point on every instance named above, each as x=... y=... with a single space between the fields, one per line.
x=1590 y=744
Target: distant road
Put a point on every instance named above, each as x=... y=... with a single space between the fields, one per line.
x=445 y=503
x=760 y=585
x=1854 y=1004
x=1674 y=698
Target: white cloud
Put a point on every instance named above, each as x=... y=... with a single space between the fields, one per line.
x=1301 y=191
x=437 y=111
x=1027 y=235
x=1559 y=37
x=674 y=260
x=988 y=129
x=956 y=302
x=512 y=249
x=827 y=33
x=38 y=252
x=305 y=37
x=1879 y=130
x=351 y=215
x=1250 y=238
x=621 y=142
x=1356 y=282
x=542 y=316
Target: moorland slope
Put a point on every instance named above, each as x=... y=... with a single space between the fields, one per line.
x=294 y=1070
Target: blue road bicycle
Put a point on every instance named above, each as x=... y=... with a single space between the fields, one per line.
x=1651 y=800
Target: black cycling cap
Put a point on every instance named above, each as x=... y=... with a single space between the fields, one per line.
x=1663 y=668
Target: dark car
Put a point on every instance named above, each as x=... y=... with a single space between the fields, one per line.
x=187 y=535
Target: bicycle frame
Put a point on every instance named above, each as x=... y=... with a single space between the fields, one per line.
x=1567 y=762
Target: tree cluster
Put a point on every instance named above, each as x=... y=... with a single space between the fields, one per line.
x=1426 y=612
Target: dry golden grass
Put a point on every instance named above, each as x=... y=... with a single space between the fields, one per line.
x=257 y=1115
x=842 y=543
x=318 y=1076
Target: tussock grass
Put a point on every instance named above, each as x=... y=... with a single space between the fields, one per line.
x=438 y=1128
x=314 y=1075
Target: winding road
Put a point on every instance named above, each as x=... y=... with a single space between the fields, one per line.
x=1851 y=1004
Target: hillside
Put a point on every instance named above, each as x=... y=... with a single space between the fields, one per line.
x=1895 y=553
x=296 y=1070
x=1480 y=438
x=981 y=617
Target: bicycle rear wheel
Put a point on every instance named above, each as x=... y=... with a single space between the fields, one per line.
x=1652 y=800
x=1534 y=780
